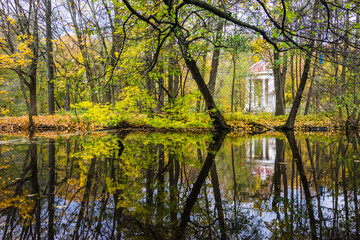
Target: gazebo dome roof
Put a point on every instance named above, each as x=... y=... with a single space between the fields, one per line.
x=261 y=66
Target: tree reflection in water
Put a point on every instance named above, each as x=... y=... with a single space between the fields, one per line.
x=180 y=186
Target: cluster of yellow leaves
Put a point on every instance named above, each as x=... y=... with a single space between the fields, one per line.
x=5 y=101
x=22 y=56
x=258 y=46
x=24 y=203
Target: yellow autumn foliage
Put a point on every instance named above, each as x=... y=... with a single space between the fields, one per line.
x=22 y=55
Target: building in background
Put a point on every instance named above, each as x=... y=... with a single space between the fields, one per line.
x=260 y=88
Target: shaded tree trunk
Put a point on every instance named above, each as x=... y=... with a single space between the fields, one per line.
x=49 y=59
x=67 y=96
x=215 y=59
x=161 y=94
x=33 y=68
x=309 y=96
x=279 y=87
x=233 y=83
x=171 y=80
x=292 y=77
x=203 y=72
x=218 y=120
x=290 y=122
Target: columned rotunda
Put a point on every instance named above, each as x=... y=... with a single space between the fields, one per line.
x=260 y=88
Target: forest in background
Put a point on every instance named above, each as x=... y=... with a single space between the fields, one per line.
x=186 y=61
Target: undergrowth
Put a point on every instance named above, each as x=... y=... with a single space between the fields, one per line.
x=136 y=110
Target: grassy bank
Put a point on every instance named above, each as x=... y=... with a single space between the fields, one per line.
x=240 y=122
x=244 y=121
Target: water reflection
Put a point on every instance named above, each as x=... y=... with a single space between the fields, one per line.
x=180 y=186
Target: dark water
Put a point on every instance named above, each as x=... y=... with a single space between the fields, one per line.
x=174 y=186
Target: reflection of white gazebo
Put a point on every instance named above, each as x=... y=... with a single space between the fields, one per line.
x=260 y=87
x=261 y=154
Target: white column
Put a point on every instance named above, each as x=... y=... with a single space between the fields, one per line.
x=263 y=105
x=253 y=97
x=248 y=88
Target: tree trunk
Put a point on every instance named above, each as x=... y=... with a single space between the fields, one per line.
x=82 y=46
x=290 y=122
x=215 y=59
x=161 y=94
x=117 y=44
x=279 y=105
x=33 y=69
x=233 y=83
x=317 y=94
x=292 y=78
x=49 y=59
x=203 y=73
x=176 y=79
x=283 y=77
x=218 y=120
x=150 y=85
x=307 y=107
x=356 y=70
x=171 y=80
x=67 y=96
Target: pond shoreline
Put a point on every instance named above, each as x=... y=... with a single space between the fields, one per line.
x=72 y=124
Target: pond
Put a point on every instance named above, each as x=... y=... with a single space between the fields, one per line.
x=135 y=185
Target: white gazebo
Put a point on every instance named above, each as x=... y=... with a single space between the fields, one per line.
x=260 y=88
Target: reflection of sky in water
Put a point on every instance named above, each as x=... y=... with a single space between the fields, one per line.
x=264 y=214
x=66 y=215
x=253 y=212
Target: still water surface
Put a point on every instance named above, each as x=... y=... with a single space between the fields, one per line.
x=180 y=186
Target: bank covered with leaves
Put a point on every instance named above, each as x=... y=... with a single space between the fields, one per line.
x=87 y=121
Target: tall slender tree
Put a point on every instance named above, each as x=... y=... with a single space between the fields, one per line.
x=49 y=58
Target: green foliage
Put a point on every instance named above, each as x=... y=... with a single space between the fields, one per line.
x=181 y=114
x=136 y=107
x=133 y=102
x=237 y=42
x=348 y=102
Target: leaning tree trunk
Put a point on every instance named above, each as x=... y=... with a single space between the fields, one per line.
x=290 y=122
x=218 y=120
